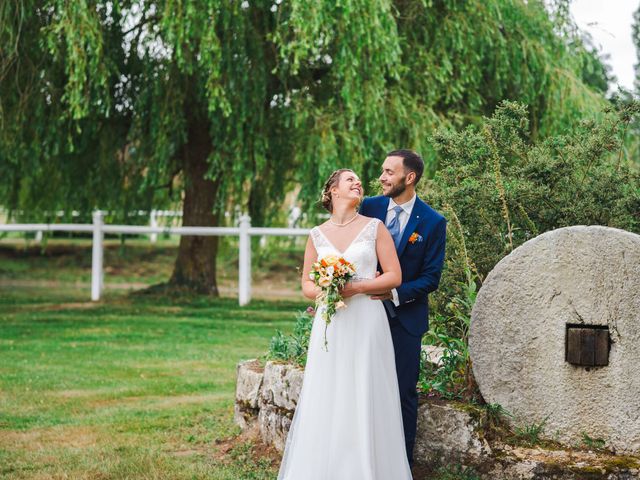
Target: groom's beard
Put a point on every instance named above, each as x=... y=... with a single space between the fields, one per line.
x=396 y=190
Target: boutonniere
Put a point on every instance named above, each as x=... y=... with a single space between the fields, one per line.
x=415 y=237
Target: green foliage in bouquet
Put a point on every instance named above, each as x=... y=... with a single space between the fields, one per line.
x=498 y=188
x=293 y=347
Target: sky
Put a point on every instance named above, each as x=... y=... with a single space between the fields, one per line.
x=609 y=23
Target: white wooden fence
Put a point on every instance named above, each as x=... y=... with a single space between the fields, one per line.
x=244 y=231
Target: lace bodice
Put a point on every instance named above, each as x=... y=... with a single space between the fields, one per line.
x=361 y=251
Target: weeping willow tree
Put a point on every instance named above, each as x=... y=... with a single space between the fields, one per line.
x=127 y=104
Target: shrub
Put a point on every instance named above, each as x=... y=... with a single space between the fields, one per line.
x=293 y=347
x=452 y=378
x=499 y=188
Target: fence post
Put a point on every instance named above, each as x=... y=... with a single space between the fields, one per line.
x=153 y=223
x=244 y=262
x=97 y=256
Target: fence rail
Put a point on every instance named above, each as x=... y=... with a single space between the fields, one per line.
x=244 y=231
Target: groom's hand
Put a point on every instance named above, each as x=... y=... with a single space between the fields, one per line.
x=382 y=296
x=349 y=290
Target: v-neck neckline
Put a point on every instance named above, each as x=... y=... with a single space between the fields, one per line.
x=350 y=243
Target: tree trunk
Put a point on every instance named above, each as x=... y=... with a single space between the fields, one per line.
x=195 y=267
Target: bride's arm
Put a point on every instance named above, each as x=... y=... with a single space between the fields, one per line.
x=309 y=288
x=388 y=258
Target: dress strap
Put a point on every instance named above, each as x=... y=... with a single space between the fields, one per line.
x=317 y=238
x=370 y=232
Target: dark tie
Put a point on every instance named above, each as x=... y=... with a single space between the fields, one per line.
x=394 y=225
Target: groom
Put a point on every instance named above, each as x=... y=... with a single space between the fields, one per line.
x=419 y=234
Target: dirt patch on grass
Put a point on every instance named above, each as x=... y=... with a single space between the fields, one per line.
x=52 y=437
x=87 y=393
x=187 y=453
x=69 y=306
x=164 y=402
x=74 y=393
x=53 y=284
x=156 y=401
x=259 y=449
x=267 y=290
x=18 y=249
x=51 y=307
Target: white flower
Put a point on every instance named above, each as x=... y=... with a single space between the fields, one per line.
x=340 y=305
x=330 y=271
x=324 y=281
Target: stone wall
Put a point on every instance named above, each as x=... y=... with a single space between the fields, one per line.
x=267 y=395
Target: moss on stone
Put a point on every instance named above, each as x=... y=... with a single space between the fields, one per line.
x=621 y=462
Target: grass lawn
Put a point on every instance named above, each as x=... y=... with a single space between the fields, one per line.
x=132 y=387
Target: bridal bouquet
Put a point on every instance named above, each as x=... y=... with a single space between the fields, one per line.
x=331 y=274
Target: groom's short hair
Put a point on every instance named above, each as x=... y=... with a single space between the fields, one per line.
x=410 y=161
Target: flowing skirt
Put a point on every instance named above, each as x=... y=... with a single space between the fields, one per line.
x=348 y=421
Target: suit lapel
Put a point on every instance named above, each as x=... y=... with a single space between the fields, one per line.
x=381 y=209
x=416 y=215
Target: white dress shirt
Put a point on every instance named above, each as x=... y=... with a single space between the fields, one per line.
x=407 y=207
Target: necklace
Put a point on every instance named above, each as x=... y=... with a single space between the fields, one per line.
x=345 y=223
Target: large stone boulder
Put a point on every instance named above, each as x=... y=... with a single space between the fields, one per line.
x=530 y=312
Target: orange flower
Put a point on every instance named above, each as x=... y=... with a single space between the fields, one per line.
x=413 y=238
x=330 y=260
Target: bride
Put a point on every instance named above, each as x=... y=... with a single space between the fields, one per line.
x=348 y=421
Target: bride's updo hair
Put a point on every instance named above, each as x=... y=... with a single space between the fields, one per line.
x=333 y=180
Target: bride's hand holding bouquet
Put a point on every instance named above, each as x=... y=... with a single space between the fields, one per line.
x=331 y=274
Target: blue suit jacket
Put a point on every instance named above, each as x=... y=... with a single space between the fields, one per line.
x=421 y=261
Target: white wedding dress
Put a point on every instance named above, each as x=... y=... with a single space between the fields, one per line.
x=348 y=422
